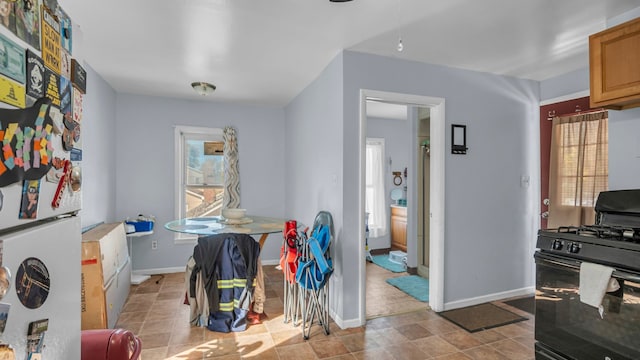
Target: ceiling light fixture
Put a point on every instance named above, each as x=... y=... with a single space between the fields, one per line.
x=339 y=0
x=203 y=88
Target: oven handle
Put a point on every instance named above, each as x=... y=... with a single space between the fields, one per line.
x=575 y=265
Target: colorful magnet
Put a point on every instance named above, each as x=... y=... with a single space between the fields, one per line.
x=5 y=282
x=30 y=198
x=75 y=181
x=6 y=352
x=4 y=314
x=32 y=283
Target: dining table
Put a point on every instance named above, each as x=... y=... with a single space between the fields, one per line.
x=250 y=225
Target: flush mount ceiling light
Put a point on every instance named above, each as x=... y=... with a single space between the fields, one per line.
x=339 y=0
x=203 y=88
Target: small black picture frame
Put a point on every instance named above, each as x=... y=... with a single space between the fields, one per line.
x=458 y=139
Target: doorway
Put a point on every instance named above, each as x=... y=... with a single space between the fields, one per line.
x=435 y=262
x=387 y=154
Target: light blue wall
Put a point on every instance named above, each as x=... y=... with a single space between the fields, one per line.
x=565 y=84
x=490 y=224
x=314 y=168
x=624 y=149
x=144 y=151
x=98 y=142
x=629 y=15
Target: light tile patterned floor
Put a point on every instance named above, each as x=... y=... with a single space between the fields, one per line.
x=156 y=313
x=384 y=299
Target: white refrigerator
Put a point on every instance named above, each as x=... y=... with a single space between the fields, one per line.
x=45 y=266
x=42 y=254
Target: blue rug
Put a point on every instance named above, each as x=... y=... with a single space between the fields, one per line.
x=383 y=261
x=414 y=285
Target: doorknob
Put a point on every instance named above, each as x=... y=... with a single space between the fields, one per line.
x=545 y=214
x=546 y=202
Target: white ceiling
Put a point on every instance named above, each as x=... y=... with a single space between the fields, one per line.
x=266 y=52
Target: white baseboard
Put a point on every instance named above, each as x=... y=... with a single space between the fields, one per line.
x=344 y=324
x=270 y=262
x=490 y=297
x=170 y=270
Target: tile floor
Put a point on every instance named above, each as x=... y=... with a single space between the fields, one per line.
x=394 y=301
x=156 y=313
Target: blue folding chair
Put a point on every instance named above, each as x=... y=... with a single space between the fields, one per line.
x=314 y=270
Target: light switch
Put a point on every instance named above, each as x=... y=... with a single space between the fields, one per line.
x=334 y=179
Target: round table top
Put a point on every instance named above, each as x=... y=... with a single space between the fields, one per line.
x=250 y=224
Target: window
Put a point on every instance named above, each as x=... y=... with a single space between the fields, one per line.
x=199 y=173
x=579 y=168
x=374 y=188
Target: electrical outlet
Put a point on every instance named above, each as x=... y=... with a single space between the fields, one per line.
x=154 y=244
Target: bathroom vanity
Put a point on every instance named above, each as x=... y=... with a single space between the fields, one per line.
x=399 y=228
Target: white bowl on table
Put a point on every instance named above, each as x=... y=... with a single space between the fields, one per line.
x=234 y=213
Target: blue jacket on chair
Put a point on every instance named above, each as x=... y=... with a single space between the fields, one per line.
x=228 y=264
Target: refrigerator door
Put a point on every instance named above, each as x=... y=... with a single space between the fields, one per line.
x=56 y=245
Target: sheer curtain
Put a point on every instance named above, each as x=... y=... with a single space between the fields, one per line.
x=579 y=167
x=375 y=199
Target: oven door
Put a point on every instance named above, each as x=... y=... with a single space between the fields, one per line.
x=573 y=330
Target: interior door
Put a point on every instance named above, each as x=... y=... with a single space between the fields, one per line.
x=547 y=113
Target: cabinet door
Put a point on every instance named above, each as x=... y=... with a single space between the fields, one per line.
x=614 y=57
x=398 y=229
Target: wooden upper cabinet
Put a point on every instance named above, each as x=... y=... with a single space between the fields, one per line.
x=614 y=59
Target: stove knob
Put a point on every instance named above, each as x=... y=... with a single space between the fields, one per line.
x=574 y=248
x=557 y=244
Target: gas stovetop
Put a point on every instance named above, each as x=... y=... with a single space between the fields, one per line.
x=614 y=233
x=611 y=246
x=614 y=240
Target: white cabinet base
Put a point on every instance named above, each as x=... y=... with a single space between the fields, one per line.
x=137 y=279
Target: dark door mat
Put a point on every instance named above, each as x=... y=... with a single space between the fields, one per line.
x=481 y=317
x=527 y=304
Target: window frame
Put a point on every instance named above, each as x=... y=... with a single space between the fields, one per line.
x=181 y=134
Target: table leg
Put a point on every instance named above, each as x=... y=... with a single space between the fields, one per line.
x=259 y=296
x=263 y=238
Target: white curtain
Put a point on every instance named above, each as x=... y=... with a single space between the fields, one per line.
x=231 y=198
x=375 y=198
x=578 y=169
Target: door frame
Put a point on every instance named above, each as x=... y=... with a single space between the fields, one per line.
x=436 y=188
